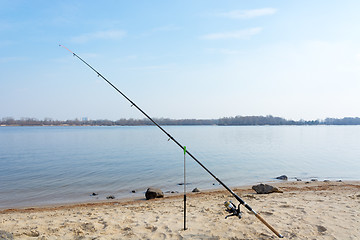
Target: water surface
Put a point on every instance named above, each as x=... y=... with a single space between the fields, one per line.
x=46 y=165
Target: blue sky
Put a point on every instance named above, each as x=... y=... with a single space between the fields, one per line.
x=180 y=59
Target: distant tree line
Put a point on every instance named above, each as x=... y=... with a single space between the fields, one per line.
x=270 y=120
x=261 y=120
x=226 y=121
x=9 y=121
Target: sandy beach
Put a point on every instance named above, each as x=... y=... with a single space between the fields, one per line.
x=305 y=210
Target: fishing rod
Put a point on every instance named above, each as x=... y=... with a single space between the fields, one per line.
x=230 y=206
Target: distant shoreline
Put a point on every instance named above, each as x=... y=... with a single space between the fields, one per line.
x=82 y=125
x=226 y=121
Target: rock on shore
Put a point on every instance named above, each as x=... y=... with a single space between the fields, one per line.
x=265 y=189
x=152 y=193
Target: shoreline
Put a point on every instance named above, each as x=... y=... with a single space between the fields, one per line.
x=132 y=197
x=285 y=184
x=313 y=210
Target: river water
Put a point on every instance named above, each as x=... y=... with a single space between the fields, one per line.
x=51 y=165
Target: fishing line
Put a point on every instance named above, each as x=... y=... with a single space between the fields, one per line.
x=242 y=202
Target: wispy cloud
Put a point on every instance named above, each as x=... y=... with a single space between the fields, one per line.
x=358 y=56
x=224 y=51
x=4 y=26
x=246 y=14
x=165 y=28
x=104 y=35
x=240 y=34
x=12 y=59
x=6 y=43
x=164 y=67
x=161 y=29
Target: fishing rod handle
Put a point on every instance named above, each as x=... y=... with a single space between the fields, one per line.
x=268 y=225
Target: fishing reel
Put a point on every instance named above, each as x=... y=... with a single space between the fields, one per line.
x=231 y=208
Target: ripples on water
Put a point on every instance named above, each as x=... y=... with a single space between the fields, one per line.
x=45 y=165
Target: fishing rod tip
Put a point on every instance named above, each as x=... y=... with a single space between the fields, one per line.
x=66 y=48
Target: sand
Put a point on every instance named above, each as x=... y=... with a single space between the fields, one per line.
x=305 y=210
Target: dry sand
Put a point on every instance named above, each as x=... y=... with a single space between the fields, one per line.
x=313 y=210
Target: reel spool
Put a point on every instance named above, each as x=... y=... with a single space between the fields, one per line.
x=231 y=208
